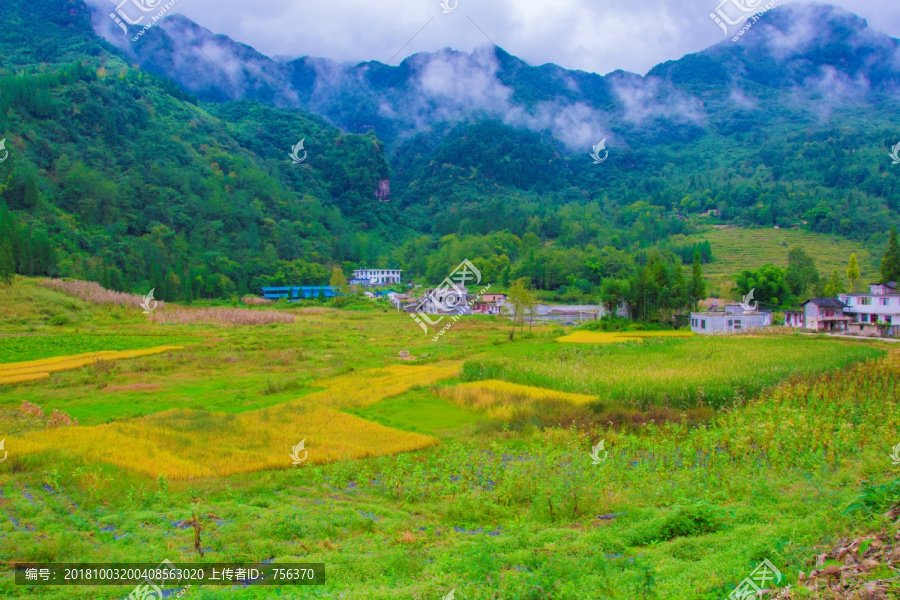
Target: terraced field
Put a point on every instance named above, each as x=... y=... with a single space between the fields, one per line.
x=735 y=249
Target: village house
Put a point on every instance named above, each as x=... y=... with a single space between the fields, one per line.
x=376 y=276
x=717 y=321
x=818 y=314
x=735 y=308
x=398 y=300
x=794 y=318
x=876 y=313
x=441 y=301
x=490 y=304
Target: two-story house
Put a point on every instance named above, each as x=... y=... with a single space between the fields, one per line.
x=825 y=314
x=490 y=304
x=818 y=314
x=875 y=313
x=376 y=276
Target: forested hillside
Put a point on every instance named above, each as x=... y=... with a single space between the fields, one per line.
x=116 y=175
x=120 y=175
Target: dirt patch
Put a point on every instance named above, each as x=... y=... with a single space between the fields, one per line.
x=134 y=387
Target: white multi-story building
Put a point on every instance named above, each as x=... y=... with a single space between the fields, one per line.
x=881 y=306
x=378 y=276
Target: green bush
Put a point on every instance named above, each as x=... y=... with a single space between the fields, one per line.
x=685 y=521
x=876 y=498
x=59 y=320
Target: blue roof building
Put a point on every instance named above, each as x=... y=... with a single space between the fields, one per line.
x=299 y=292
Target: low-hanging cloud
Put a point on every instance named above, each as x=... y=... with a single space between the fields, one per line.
x=576 y=34
x=451 y=86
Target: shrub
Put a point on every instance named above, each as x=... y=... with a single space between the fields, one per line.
x=59 y=320
x=685 y=521
x=61 y=419
x=876 y=498
x=31 y=409
x=228 y=317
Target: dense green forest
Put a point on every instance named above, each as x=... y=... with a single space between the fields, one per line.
x=117 y=175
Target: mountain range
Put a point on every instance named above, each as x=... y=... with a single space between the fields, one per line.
x=814 y=53
x=177 y=144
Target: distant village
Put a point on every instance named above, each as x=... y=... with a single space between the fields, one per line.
x=872 y=314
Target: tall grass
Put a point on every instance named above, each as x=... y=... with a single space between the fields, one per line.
x=228 y=317
x=95 y=293
x=702 y=371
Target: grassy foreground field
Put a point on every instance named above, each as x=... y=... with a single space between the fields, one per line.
x=467 y=468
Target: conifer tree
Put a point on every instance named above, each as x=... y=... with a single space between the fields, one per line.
x=890 y=263
x=852 y=271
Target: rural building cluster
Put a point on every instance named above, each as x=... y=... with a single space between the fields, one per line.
x=872 y=314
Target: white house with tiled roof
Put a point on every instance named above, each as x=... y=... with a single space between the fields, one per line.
x=880 y=307
x=377 y=276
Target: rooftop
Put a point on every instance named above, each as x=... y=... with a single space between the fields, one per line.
x=826 y=302
x=719 y=313
x=857 y=294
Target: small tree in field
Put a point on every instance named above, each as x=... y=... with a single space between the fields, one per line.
x=338 y=280
x=520 y=298
x=852 y=271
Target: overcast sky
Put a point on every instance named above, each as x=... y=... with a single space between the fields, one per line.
x=592 y=35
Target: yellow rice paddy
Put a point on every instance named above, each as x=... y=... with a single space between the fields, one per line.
x=364 y=388
x=192 y=444
x=609 y=337
x=32 y=370
x=503 y=400
x=497 y=387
